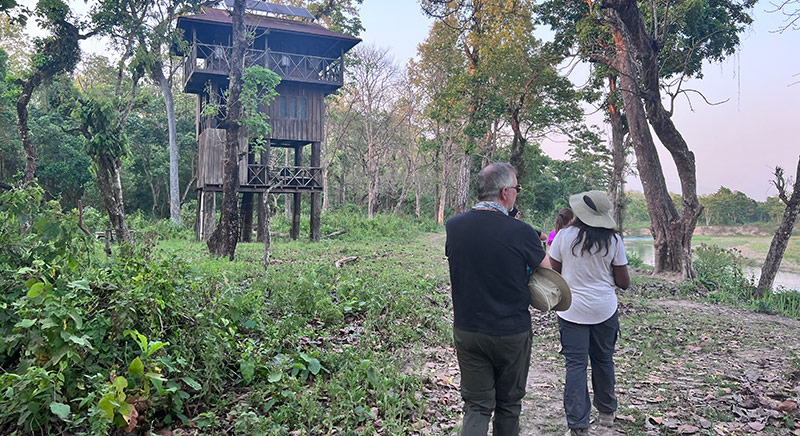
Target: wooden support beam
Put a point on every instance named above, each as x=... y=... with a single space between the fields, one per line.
x=316 y=197
x=298 y=161
x=263 y=198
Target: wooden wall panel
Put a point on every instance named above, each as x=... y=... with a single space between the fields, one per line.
x=210 y=152
x=211 y=149
x=308 y=130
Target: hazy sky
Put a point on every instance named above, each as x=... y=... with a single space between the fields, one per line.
x=736 y=144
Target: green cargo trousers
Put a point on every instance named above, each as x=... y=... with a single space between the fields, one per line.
x=494 y=372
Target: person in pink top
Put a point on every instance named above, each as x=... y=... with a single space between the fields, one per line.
x=563 y=219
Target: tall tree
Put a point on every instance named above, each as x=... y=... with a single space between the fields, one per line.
x=619 y=146
x=223 y=240
x=54 y=54
x=151 y=24
x=659 y=42
x=248 y=90
x=373 y=75
x=440 y=77
x=781 y=239
x=101 y=111
x=472 y=21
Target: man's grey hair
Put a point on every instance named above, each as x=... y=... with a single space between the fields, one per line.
x=492 y=180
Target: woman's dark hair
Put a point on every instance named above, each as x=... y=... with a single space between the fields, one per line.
x=563 y=219
x=592 y=237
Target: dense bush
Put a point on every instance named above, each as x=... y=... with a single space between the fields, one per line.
x=149 y=340
x=720 y=271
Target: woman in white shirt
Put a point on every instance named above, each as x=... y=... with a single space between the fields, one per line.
x=591 y=257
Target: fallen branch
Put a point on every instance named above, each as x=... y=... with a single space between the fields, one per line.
x=280 y=235
x=345 y=260
x=336 y=233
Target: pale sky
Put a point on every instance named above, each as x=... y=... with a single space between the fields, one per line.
x=736 y=144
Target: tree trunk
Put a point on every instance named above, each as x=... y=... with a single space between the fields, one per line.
x=781 y=239
x=31 y=154
x=517 y=145
x=169 y=102
x=417 y=192
x=315 y=221
x=445 y=181
x=491 y=144
x=404 y=189
x=616 y=184
x=372 y=182
x=108 y=180
x=225 y=237
x=462 y=193
x=672 y=232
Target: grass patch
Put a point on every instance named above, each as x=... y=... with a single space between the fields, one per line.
x=223 y=347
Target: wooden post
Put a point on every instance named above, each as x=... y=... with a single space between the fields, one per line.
x=198 y=219
x=209 y=213
x=298 y=161
x=247 y=217
x=263 y=198
x=247 y=200
x=316 y=196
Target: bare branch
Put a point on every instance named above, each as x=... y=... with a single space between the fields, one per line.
x=687 y=91
x=780 y=184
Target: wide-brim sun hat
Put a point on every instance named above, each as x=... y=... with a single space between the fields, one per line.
x=549 y=291
x=593 y=209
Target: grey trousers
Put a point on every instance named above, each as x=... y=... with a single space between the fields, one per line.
x=579 y=342
x=494 y=372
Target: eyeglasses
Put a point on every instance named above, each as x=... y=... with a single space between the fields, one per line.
x=517 y=188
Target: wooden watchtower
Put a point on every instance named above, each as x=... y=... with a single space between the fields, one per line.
x=310 y=60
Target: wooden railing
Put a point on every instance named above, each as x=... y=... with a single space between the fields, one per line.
x=214 y=59
x=306 y=68
x=283 y=177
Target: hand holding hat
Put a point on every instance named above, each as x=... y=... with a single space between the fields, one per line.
x=549 y=291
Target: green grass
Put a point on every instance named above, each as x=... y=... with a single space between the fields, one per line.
x=391 y=298
x=303 y=345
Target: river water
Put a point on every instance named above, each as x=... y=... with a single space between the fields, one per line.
x=643 y=247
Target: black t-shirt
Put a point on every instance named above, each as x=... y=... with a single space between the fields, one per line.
x=489 y=255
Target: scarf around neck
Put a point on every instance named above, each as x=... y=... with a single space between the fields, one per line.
x=493 y=205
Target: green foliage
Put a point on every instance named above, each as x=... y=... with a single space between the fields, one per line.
x=98 y=117
x=720 y=271
x=634 y=261
x=258 y=90
x=85 y=345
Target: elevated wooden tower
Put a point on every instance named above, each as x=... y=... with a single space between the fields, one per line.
x=310 y=60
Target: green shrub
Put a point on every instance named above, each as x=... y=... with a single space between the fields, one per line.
x=635 y=261
x=312 y=346
x=720 y=271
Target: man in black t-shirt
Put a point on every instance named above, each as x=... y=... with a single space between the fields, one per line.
x=490 y=256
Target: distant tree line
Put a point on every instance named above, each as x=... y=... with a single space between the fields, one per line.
x=722 y=208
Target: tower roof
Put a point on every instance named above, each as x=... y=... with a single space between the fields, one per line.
x=272 y=24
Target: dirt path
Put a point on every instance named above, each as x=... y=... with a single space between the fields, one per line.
x=683 y=367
